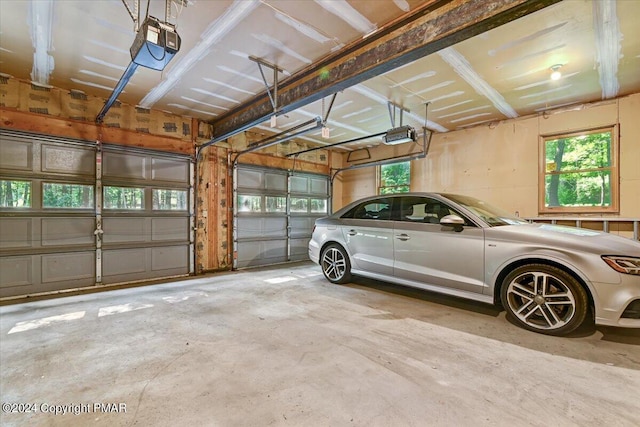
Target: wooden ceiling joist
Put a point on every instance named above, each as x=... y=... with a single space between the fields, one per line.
x=430 y=28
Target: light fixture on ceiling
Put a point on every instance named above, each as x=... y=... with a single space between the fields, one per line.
x=555 y=72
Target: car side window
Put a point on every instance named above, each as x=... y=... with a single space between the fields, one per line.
x=379 y=209
x=426 y=210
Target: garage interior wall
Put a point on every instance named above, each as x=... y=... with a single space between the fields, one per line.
x=499 y=162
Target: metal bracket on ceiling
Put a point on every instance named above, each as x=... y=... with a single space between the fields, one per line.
x=325 y=117
x=286 y=135
x=364 y=150
x=135 y=13
x=273 y=94
x=402 y=158
x=324 y=147
x=393 y=109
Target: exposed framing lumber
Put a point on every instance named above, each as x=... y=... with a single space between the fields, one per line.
x=433 y=26
x=56 y=126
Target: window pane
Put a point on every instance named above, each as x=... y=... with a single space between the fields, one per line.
x=578 y=171
x=276 y=204
x=169 y=200
x=15 y=194
x=74 y=196
x=123 y=198
x=578 y=189
x=395 y=189
x=395 y=178
x=249 y=203
x=299 y=205
x=375 y=209
x=319 y=206
x=592 y=151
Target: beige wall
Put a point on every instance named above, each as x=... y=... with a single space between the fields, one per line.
x=499 y=162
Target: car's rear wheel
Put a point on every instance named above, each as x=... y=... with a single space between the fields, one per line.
x=544 y=299
x=335 y=264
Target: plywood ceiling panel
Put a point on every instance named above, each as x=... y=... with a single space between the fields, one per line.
x=502 y=73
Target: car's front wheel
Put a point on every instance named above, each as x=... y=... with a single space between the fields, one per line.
x=544 y=299
x=335 y=264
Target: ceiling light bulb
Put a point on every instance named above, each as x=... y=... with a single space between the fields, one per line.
x=555 y=72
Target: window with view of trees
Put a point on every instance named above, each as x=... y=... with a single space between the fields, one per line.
x=169 y=200
x=67 y=196
x=579 y=173
x=129 y=198
x=395 y=178
x=15 y=194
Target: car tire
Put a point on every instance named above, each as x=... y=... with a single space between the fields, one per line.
x=335 y=264
x=544 y=299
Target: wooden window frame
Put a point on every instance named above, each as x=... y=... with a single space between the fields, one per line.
x=614 y=168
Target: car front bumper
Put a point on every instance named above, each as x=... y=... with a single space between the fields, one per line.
x=618 y=305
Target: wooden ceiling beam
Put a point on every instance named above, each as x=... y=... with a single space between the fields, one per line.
x=435 y=25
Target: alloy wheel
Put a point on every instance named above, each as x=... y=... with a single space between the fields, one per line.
x=334 y=264
x=541 y=300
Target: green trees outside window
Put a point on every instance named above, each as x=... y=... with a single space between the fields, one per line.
x=67 y=196
x=395 y=178
x=15 y=194
x=247 y=203
x=123 y=198
x=169 y=200
x=579 y=172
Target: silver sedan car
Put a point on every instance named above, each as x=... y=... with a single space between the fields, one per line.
x=549 y=279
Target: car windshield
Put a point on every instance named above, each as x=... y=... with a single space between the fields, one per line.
x=489 y=214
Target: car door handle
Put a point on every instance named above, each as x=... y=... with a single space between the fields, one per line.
x=403 y=237
x=352 y=232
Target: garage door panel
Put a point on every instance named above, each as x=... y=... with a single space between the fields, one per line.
x=124 y=261
x=142 y=244
x=302 y=226
x=274 y=250
x=123 y=230
x=169 y=258
x=16 y=233
x=319 y=186
x=299 y=249
x=68 y=160
x=68 y=267
x=274 y=232
x=251 y=254
x=46 y=250
x=67 y=231
x=16 y=271
x=255 y=227
x=121 y=165
x=166 y=229
x=16 y=155
x=276 y=181
x=274 y=227
x=250 y=179
x=299 y=184
x=169 y=170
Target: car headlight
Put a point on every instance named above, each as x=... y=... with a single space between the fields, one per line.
x=623 y=264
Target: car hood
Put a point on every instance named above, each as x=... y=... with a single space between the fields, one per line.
x=568 y=238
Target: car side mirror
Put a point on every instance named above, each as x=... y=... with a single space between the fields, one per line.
x=453 y=221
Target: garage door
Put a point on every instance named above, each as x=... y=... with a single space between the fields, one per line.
x=274 y=214
x=52 y=234
x=146 y=215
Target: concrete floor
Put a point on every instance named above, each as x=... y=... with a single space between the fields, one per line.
x=282 y=346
